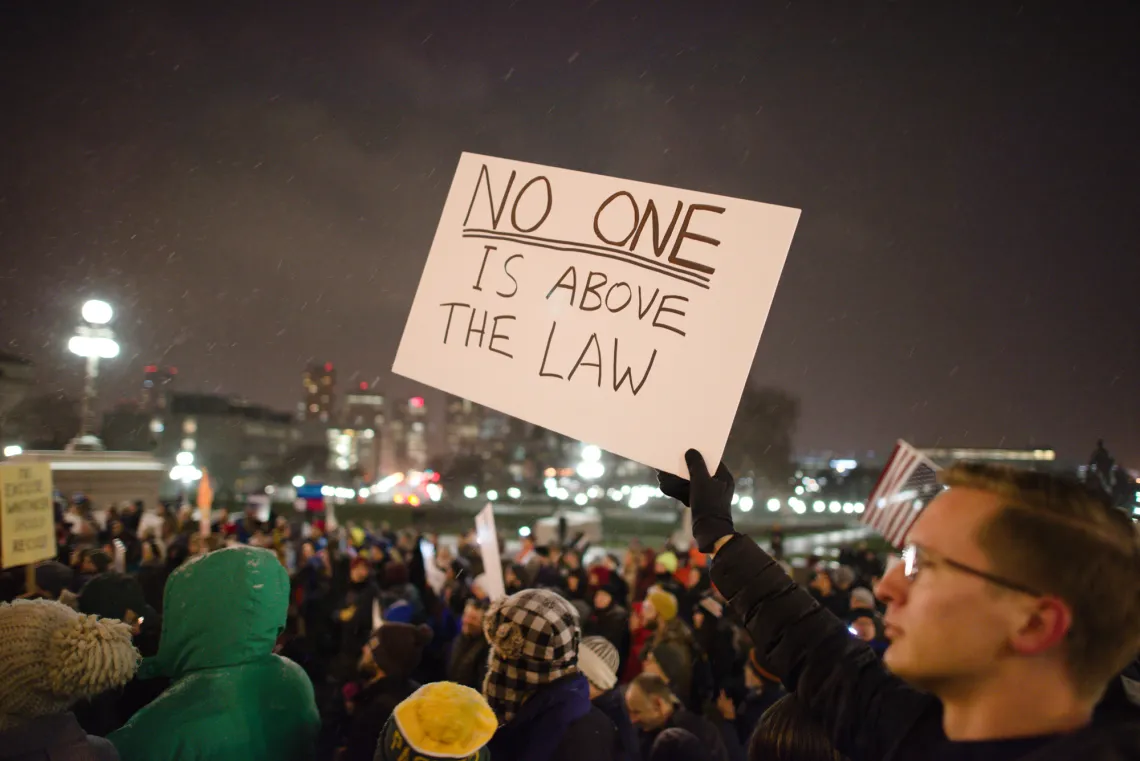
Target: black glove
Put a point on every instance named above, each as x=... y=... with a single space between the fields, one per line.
x=709 y=496
x=674 y=486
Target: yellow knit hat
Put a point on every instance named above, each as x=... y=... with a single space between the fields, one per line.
x=664 y=603
x=52 y=656
x=441 y=720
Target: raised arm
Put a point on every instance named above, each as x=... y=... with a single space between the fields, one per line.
x=866 y=710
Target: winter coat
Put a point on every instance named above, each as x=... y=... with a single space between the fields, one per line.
x=54 y=738
x=869 y=712
x=374 y=704
x=705 y=730
x=230 y=697
x=468 y=662
x=612 y=704
x=557 y=723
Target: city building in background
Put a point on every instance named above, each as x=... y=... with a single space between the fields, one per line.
x=241 y=445
x=17 y=378
x=157 y=384
x=319 y=383
x=364 y=409
x=404 y=444
x=464 y=424
x=355 y=451
x=1039 y=458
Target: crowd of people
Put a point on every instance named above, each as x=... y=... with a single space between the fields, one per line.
x=1007 y=629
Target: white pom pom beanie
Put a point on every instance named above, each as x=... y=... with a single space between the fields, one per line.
x=52 y=656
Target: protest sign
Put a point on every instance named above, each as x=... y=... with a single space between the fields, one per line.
x=488 y=540
x=27 y=518
x=615 y=312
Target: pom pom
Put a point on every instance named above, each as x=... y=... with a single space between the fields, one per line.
x=89 y=656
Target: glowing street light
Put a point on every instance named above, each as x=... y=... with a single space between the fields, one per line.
x=92 y=341
x=97 y=312
x=184 y=458
x=298 y=481
x=470 y=492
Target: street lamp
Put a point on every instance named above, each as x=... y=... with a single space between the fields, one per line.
x=187 y=474
x=93 y=341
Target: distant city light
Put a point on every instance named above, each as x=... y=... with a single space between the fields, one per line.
x=492 y=495
x=735 y=498
x=298 y=481
x=746 y=504
x=819 y=506
x=414 y=500
x=580 y=499
x=363 y=493
x=835 y=507
x=416 y=402
x=184 y=458
x=387 y=482
x=434 y=492
x=591 y=470
x=514 y=492
x=12 y=450
x=524 y=531
x=774 y=504
x=591 y=453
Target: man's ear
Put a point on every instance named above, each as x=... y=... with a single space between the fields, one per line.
x=1044 y=627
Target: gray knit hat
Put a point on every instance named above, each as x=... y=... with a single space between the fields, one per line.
x=52 y=656
x=598 y=660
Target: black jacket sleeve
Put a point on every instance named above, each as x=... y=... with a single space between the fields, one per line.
x=867 y=711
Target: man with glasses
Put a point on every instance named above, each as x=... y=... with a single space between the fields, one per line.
x=1016 y=604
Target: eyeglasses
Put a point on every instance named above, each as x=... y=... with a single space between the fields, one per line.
x=915 y=558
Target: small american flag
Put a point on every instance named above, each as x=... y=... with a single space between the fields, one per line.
x=907 y=484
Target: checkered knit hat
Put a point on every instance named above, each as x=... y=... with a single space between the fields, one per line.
x=534 y=637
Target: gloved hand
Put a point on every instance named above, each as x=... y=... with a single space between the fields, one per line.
x=710 y=497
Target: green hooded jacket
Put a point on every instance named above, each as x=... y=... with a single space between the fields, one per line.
x=230 y=696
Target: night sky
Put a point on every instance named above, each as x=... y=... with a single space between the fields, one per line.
x=256 y=185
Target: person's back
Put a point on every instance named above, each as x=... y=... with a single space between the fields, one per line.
x=230 y=696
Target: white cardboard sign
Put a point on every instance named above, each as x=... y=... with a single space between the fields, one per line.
x=615 y=312
x=488 y=539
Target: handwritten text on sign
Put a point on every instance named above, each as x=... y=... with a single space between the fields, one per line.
x=27 y=517
x=616 y=312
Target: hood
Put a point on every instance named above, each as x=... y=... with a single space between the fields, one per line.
x=221 y=609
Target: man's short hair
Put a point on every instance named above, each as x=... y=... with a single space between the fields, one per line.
x=1057 y=537
x=653 y=686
